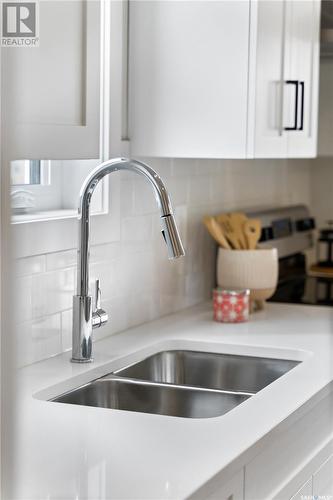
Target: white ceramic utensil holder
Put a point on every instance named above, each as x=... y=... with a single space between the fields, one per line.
x=256 y=270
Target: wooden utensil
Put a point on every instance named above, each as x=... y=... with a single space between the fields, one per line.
x=216 y=232
x=230 y=231
x=238 y=220
x=252 y=231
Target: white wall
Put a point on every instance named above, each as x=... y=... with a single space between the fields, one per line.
x=138 y=282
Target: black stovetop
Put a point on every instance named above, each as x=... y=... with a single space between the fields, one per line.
x=305 y=290
x=296 y=287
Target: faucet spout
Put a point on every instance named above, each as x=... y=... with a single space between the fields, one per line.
x=84 y=318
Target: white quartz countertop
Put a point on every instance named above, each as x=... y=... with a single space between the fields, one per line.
x=76 y=452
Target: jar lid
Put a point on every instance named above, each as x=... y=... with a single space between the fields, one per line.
x=243 y=292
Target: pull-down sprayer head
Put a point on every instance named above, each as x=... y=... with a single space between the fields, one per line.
x=171 y=237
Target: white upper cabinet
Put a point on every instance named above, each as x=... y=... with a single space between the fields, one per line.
x=206 y=79
x=266 y=136
x=52 y=92
x=224 y=79
x=302 y=67
x=188 y=78
x=286 y=79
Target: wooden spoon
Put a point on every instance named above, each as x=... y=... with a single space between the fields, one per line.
x=216 y=232
x=252 y=231
x=238 y=220
x=230 y=231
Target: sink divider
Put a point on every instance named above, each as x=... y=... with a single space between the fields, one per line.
x=136 y=381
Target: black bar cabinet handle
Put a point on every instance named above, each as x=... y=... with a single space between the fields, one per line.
x=302 y=84
x=294 y=82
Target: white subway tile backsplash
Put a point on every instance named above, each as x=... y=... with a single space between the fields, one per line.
x=144 y=197
x=195 y=286
x=178 y=188
x=66 y=330
x=172 y=302
x=127 y=195
x=140 y=308
x=138 y=281
x=23 y=297
x=136 y=229
x=298 y=181
x=106 y=272
x=169 y=275
x=213 y=167
x=184 y=167
x=52 y=292
x=30 y=265
x=163 y=166
x=106 y=252
x=199 y=190
x=136 y=273
x=322 y=189
x=61 y=260
x=38 y=339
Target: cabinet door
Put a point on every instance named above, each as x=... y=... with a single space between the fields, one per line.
x=304 y=492
x=232 y=489
x=51 y=92
x=285 y=120
x=302 y=73
x=189 y=78
x=270 y=140
x=323 y=480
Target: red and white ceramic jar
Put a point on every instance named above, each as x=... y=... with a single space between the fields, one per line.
x=231 y=306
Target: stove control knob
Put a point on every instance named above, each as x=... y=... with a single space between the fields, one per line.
x=306 y=224
x=266 y=234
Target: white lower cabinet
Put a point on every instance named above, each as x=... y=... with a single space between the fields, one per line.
x=320 y=484
x=316 y=480
x=232 y=490
x=316 y=483
x=277 y=473
x=323 y=480
x=295 y=453
x=222 y=488
x=304 y=492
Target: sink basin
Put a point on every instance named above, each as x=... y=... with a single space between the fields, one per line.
x=209 y=370
x=122 y=394
x=181 y=383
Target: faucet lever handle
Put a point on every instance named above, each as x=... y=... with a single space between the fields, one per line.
x=97 y=295
x=99 y=316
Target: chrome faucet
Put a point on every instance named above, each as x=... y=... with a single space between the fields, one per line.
x=84 y=318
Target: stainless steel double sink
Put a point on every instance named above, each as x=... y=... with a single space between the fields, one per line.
x=181 y=383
